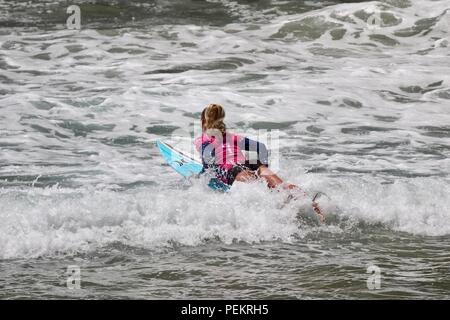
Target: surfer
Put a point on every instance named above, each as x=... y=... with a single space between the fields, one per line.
x=221 y=153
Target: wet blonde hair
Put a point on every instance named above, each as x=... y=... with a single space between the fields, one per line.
x=212 y=118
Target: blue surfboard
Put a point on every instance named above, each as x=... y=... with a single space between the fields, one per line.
x=186 y=165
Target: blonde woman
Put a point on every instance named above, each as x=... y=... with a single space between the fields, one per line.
x=221 y=153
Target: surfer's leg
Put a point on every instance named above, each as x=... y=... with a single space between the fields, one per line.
x=245 y=176
x=317 y=209
x=264 y=172
x=274 y=181
x=271 y=178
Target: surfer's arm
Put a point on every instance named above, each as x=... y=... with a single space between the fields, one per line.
x=255 y=146
x=198 y=144
x=207 y=154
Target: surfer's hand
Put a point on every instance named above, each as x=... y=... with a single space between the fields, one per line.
x=316 y=208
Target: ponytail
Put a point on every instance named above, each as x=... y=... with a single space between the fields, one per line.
x=212 y=118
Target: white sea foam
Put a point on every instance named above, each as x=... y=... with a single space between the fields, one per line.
x=367 y=112
x=55 y=220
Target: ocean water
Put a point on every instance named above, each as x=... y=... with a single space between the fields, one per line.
x=357 y=92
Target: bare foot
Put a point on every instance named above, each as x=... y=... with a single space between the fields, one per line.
x=290 y=186
x=316 y=208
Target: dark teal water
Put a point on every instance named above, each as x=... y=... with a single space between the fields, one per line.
x=356 y=95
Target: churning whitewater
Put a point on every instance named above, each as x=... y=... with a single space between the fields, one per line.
x=358 y=94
